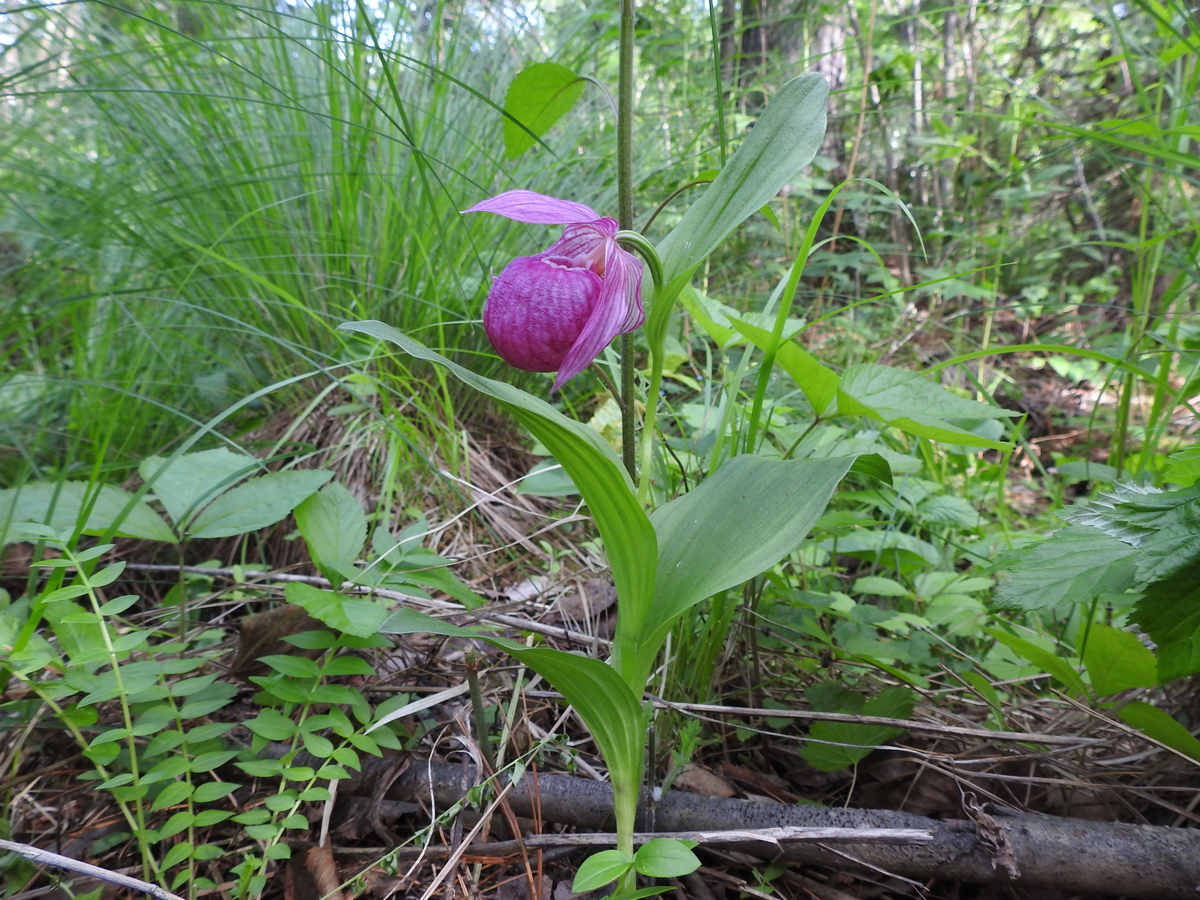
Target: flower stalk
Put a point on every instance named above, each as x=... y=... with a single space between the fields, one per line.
x=625 y=218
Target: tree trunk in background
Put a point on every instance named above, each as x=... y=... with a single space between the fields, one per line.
x=729 y=41
x=827 y=51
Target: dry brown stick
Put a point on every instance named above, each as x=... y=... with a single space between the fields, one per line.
x=1053 y=853
x=47 y=858
x=769 y=836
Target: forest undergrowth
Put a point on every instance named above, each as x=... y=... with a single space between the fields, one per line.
x=286 y=551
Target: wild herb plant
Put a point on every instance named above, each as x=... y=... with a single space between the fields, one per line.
x=752 y=509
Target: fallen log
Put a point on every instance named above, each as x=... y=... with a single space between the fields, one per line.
x=996 y=847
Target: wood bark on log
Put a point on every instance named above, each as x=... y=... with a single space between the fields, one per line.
x=1000 y=847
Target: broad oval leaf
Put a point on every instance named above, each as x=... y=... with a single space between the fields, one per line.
x=913 y=403
x=361 y=618
x=538 y=97
x=61 y=506
x=600 y=869
x=665 y=858
x=1117 y=660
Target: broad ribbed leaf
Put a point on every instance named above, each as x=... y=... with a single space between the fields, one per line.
x=784 y=140
x=257 y=503
x=353 y=615
x=913 y=403
x=629 y=539
x=738 y=523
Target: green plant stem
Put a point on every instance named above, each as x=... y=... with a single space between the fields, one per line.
x=624 y=792
x=625 y=216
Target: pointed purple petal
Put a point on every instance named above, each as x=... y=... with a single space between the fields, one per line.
x=536 y=209
x=618 y=310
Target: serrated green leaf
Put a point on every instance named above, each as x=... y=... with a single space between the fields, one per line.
x=1169 y=612
x=600 y=869
x=1183 y=467
x=1117 y=660
x=361 y=618
x=1071 y=566
x=333 y=525
x=1169 y=550
x=257 y=503
x=848 y=743
x=1113 y=512
x=539 y=96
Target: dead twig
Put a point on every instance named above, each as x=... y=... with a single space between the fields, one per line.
x=47 y=858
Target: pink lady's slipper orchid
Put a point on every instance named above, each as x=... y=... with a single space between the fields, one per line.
x=556 y=311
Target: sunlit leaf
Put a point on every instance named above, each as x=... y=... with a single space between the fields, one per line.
x=538 y=96
x=784 y=140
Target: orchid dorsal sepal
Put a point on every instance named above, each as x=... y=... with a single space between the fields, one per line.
x=637 y=241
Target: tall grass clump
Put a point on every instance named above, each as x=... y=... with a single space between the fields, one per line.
x=197 y=197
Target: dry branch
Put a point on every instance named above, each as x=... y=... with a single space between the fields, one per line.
x=1072 y=855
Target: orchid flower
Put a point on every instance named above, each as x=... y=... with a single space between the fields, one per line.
x=557 y=310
